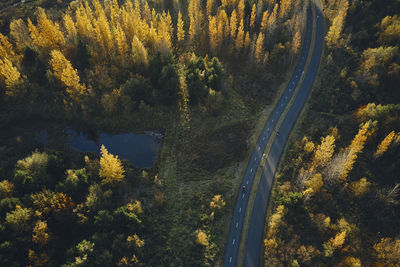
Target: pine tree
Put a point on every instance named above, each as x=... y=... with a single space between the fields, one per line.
x=384 y=145
x=253 y=16
x=69 y=25
x=264 y=22
x=20 y=34
x=209 y=7
x=324 y=152
x=336 y=28
x=139 y=52
x=247 y=40
x=240 y=37
x=122 y=44
x=6 y=48
x=272 y=19
x=233 y=25
x=240 y=9
x=9 y=75
x=296 y=42
x=111 y=169
x=84 y=22
x=356 y=147
x=47 y=34
x=213 y=33
x=64 y=72
x=259 y=49
x=285 y=8
x=180 y=32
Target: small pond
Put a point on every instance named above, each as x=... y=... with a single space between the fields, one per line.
x=139 y=149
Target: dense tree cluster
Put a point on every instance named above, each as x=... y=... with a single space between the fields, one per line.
x=121 y=63
x=115 y=56
x=337 y=199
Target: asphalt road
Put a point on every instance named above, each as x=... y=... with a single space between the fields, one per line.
x=255 y=234
x=234 y=237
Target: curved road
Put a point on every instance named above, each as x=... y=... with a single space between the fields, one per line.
x=255 y=234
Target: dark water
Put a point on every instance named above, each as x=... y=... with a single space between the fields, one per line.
x=139 y=149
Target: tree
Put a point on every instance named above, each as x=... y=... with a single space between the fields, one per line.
x=213 y=32
x=201 y=238
x=111 y=169
x=336 y=28
x=40 y=233
x=359 y=188
x=20 y=34
x=47 y=35
x=259 y=49
x=63 y=71
x=6 y=48
x=356 y=147
x=384 y=145
x=215 y=74
x=253 y=16
x=296 y=42
x=285 y=8
x=31 y=172
x=139 y=53
x=10 y=76
x=247 y=40
x=264 y=22
x=209 y=7
x=180 y=32
x=6 y=189
x=194 y=78
x=324 y=152
x=69 y=25
x=19 y=218
x=314 y=185
x=240 y=9
x=376 y=62
x=240 y=37
x=388 y=252
x=233 y=25
x=390 y=30
x=217 y=202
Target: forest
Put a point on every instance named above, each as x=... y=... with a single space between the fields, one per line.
x=336 y=198
x=201 y=72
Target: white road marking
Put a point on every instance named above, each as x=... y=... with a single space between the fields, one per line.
x=233 y=242
x=240 y=210
x=230 y=259
x=251 y=170
x=237 y=224
x=247 y=182
x=243 y=196
x=258 y=148
x=272 y=120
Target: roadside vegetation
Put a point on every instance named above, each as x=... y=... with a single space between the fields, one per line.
x=336 y=197
x=198 y=71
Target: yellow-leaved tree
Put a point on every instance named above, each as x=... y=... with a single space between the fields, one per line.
x=46 y=35
x=111 y=169
x=324 y=152
x=180 y=32
x=356 y=147
x=384 y=145
x=64 y=72
x=336 y=28
x=10 y=76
